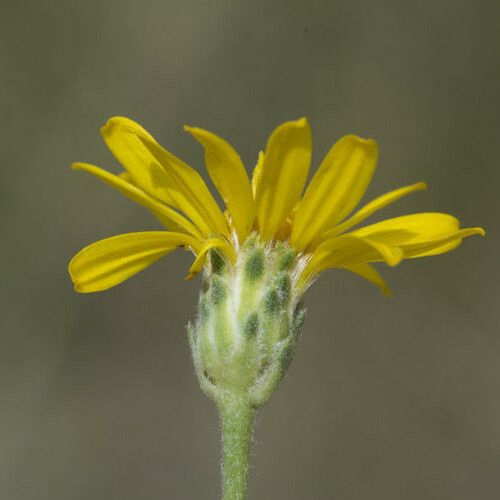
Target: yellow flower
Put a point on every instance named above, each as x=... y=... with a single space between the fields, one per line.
x=315 y=223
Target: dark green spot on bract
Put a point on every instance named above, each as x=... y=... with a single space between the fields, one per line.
x=284 y=288
x=251 y=325
x=286 y=260
x=272 y=302
x=218 y=290
x=217 y=262
x=254 y=266
x=279 y=295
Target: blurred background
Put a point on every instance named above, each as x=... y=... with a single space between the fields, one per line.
x=386 y=398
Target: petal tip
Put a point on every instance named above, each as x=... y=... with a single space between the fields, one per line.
x=108 y=125
x=301 y=123
x=198 y=133
x=370 y=144
x=114 y=121
x=365 y=143
x=395 y=257
x=77 y=284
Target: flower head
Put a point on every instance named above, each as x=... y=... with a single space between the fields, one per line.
x=316 y=224
x=258 y=256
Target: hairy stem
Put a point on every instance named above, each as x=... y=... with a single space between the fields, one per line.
x=237 y=417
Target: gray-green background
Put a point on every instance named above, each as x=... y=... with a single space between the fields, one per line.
x=386 y=399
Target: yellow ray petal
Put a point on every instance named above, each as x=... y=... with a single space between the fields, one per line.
x=257 y=172
x=349 y=249
x=414 y=228
x=372 y=207
x=420 y=234
x=369 y=273
x=142 y=167
x=110 y=261
x=186 y=189
x=167 y=216
x=230 y=178
x=189 y=191
x=335 y=189
x=441 y=245
x=283 y=174
x=212 y=243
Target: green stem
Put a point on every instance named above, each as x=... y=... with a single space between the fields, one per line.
x=237 y=417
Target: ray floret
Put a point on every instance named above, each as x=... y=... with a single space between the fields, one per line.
x=315 y=220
